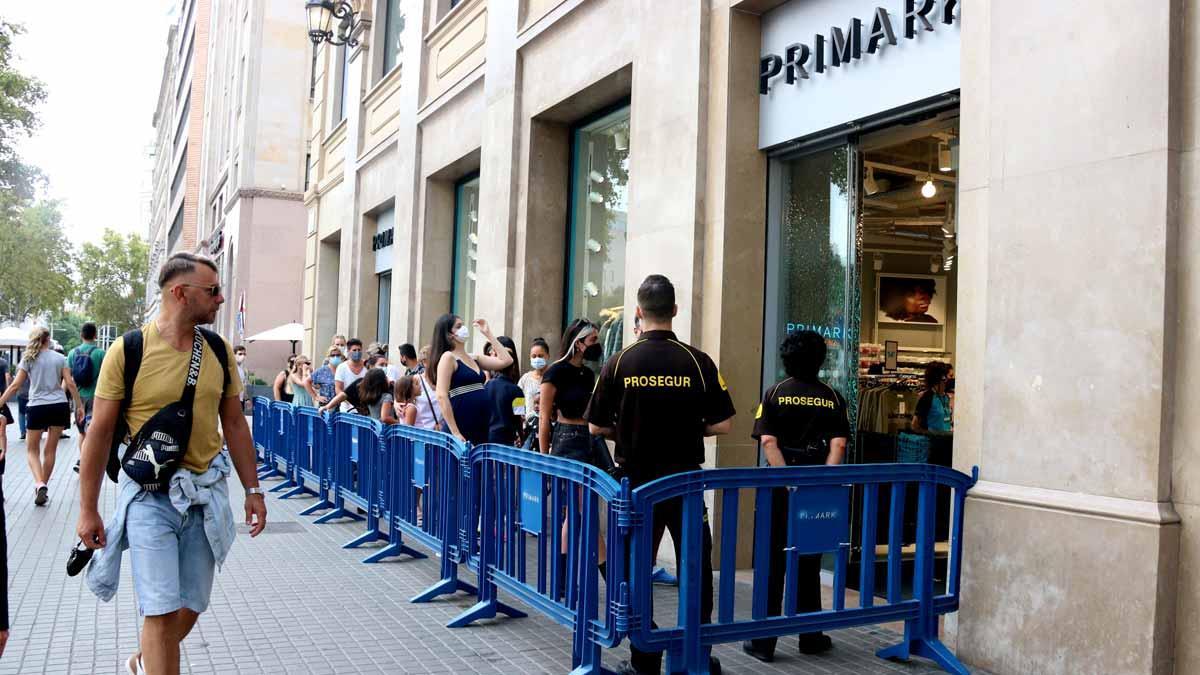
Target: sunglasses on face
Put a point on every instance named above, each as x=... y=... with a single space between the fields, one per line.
x=213 y=291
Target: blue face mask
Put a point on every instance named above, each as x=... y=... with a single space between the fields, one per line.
x=335 y=361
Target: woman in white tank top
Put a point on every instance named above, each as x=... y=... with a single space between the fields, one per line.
x=429 y=413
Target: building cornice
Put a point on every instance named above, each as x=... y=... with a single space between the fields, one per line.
x=263 y=193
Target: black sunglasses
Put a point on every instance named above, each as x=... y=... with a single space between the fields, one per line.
x=213 y=291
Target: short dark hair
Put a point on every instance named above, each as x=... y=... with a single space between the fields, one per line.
x=353 y=342
x=803 y=354
x=407 y=351
x=513 y=371
x=182 y=263
x=935 y=372
x=656 y=297
x=88 y=331
x=239 y=348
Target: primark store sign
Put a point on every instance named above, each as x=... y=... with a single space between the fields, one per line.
x=831 y=62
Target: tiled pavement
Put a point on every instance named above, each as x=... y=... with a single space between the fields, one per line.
x=293 y=601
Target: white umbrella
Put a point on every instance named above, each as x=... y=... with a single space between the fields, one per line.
x=288 y=332
x=11 y=336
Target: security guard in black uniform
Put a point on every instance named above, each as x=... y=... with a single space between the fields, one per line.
x=658 y=399
x=801 y=421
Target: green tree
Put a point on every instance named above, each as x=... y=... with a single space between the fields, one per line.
x=36 y=262
x=65 y=329
x=112 y=280
x=19 y=97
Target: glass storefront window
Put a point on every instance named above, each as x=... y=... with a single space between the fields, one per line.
x=383 y=322
x=812 y=276
x=466 y=248
x=599 y=212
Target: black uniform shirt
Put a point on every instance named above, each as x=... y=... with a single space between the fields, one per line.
x=796 y=412
x=659 y=394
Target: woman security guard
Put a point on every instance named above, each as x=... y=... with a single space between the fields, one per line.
x=801 y=421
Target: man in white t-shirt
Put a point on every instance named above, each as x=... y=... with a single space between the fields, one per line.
x=350 y=371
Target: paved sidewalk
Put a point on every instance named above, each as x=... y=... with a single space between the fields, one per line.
x=293 y=601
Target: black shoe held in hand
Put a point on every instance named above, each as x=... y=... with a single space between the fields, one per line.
x=79 y=558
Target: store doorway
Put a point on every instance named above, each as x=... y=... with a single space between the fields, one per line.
x=862 y=248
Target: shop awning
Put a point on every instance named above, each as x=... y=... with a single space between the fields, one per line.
x=288 y=332
x=11 y=336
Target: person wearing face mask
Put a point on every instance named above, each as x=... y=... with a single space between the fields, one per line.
x=566 y=388
x=323 y=377
x=339 y=342
x=239 y=355
x=531 y=382
x=458 y=377
x=508 y=401
x=351 y=371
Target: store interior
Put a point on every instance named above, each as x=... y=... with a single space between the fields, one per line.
x=907 y=231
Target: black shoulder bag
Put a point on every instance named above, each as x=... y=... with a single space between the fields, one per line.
x=155 y=453
x=132 y=347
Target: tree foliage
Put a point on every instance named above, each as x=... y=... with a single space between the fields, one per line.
x=112 y=280
x=65 y=329
x=19 y=97
x=35 y=262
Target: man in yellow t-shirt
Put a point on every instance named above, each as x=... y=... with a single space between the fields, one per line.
x=176 y=539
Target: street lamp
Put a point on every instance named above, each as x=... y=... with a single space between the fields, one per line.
x=321 y=14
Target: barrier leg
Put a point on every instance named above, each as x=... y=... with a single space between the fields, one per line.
x=445 y=586
x=395 y=547
x=488 y=605
x=365 y=538
x=319 y=506
x=289 y=483
x=338 y=512
x=300 y=489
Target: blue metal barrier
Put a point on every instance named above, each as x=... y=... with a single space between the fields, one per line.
x=260 y=429
x=819 y=504
x=501 y=511
x=524 y=498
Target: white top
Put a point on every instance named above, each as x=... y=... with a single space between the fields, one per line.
x=45 y=378
x=347 y=377
x=531 y=385
x=429 y=411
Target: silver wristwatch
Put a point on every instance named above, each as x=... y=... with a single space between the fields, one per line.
x=255 y=491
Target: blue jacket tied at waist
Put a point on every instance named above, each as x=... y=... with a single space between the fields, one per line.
x=209 y=490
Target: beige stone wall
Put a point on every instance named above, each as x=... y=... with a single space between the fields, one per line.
x=1071 y=547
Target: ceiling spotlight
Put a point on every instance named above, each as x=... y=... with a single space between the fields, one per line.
x=621 y=140
x=596 y=177
x=877 y=261
x=928 y=190
x=595 y=198
x=869 y=185
x=945 y=162
x=934 y=263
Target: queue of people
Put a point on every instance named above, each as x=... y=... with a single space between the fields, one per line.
x=655 y=401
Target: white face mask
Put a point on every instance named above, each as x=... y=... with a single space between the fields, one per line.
x=537 y=362
x=462 y=333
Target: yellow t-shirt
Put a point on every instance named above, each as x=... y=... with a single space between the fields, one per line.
x=160 y=383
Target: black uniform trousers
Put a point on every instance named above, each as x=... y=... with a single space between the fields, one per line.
x=808 y=586
x=668 y=515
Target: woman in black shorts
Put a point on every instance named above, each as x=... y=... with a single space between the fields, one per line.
x=48 y=410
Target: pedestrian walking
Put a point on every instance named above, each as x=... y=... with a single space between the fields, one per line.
x=800 y=422
x=48 y=411
x=658 y=398
x=6 y=416
x=239 y=355
x=22 y=407
x=282 y=387
x=507 y=400
x=85 y=361
x=459 y=378
x=176 y=537
x=531 y=382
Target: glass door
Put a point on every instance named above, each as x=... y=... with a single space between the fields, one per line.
x=812 y=262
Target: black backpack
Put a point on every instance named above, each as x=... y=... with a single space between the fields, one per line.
x=81 y=367
x=132 y=346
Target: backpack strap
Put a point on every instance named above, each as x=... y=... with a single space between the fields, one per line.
x=217 y=344
x=132 y=347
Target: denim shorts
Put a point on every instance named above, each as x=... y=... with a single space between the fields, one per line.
x=172 y=560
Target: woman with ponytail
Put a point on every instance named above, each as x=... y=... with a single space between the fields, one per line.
x=48 y=410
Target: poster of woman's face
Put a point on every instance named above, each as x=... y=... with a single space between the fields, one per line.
x=912 y=298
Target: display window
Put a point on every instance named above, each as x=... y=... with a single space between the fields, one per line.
x=862 y=248
x=595 y=286
x=466 y=248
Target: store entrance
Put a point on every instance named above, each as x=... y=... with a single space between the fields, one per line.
x=862 y=248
